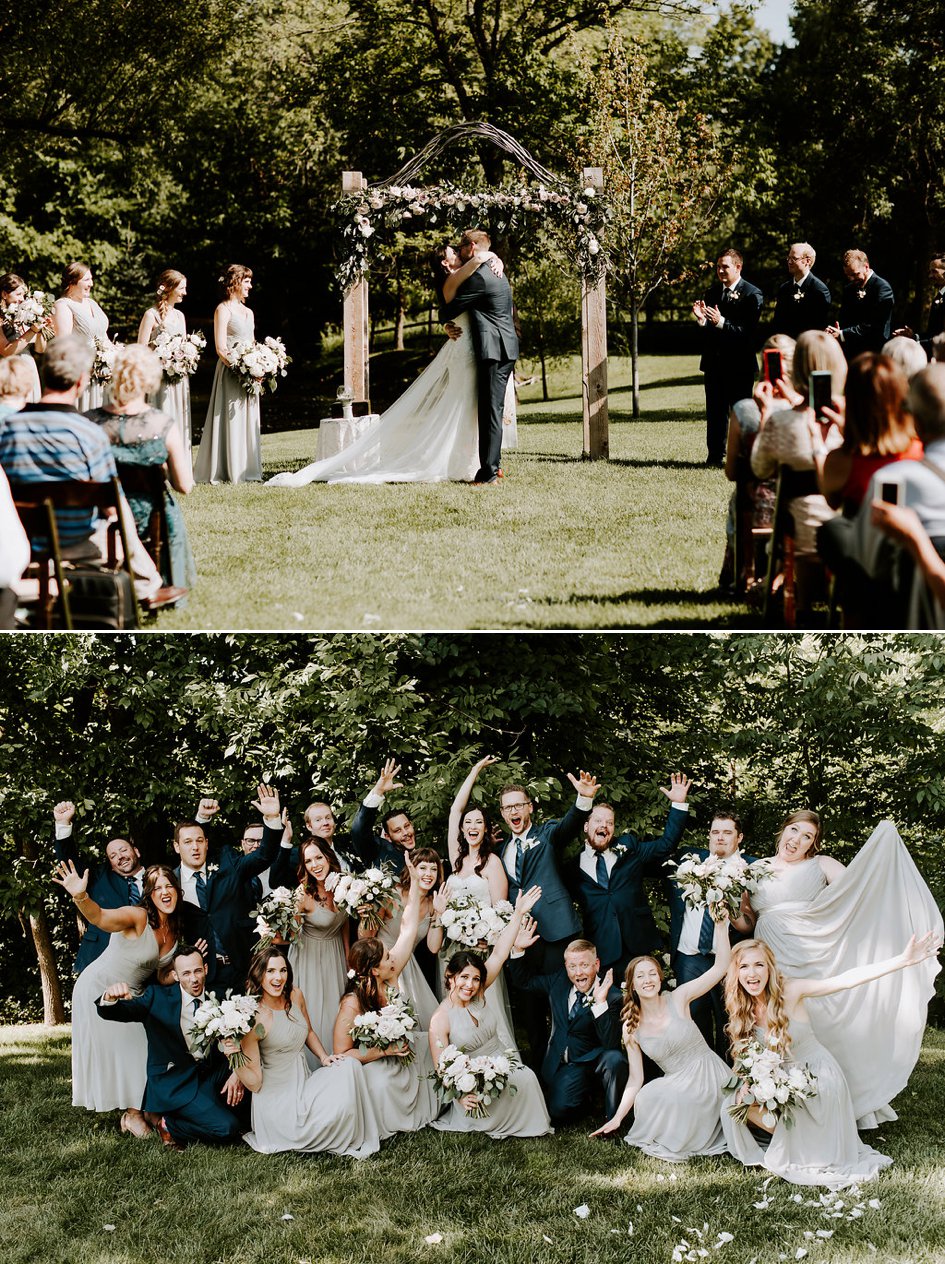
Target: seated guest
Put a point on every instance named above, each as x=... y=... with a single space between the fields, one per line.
x=118 y=882
x=142 y=436
x=905 y=527
x=907 y=354
x=189 y=1097
x=51 y=442
x=877 y=430
x=584 y=1050
x=607 y=880
x=785 y=439
x=15 y=384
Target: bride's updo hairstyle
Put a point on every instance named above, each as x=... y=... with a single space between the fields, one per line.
x=73 y=275
x=363 y=959
x=812 y=818
x=740 y=1007
x=485 y=847
x=164 y=286
x=458 y=963
x=630 y=1014
x=258 y=967
x=438 y=270
x=233 y=277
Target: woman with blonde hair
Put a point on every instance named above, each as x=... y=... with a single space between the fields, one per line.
x=172 y=395
x=76 y=312
x=141 y=435
x=13 y=290
x=821 y=1147
x=230 y=445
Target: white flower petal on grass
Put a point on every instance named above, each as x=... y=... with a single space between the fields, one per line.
x=724 y=1238
x=583 y=1211
x=109 y=1228
x=288 y=1216
x=433 y=1239
x=630 y=1229
x=545 y=1238
x=765 y=1202
x=825 y=1233
x=800 y=1253
x=875 y=1204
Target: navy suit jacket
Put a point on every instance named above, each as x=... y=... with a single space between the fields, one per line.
x=866 y=322
x=618 y=918
x=584 y=1036
x=108 y=889
x=936 y=323
x=554 y=912
x=677 y=905
x=377 y=849
x=793 y=316
x=356 y=849
x=730 y=351
x=488 y=299
x=174 y=1074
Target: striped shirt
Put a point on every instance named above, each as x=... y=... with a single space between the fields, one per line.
x=52 y=443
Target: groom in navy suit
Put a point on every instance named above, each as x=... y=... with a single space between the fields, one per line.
x=191 y=1098
x=691 y=932
x=488 y=299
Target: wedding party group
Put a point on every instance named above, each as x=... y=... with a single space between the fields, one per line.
x=325 y=995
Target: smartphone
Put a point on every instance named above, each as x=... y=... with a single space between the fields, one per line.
x=889 y=492
x=821 y=384
x=773 y=369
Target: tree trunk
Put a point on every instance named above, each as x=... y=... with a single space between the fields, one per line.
x=401 y=313
x=635 y=354
x=53 y=1010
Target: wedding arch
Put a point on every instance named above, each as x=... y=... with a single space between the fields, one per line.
x=581 y=208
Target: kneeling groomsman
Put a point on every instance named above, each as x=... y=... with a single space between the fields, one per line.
x=584 y=1048
x=192 y=1097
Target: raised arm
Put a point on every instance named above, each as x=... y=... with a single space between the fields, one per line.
x=686 y=993
x=402 y=950
x=131 y=917
x=455 y=279
x=569 y=827
x=525 y=902
x=915 y=952
x=363 y=838
x=459 y=806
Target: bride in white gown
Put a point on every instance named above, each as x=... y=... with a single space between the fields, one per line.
x=431 y=433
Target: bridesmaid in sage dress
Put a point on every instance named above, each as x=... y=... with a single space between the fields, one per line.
x=78 y=313
x=13 y=290
x=402 y=1091
x=229 y=447
x=326 y=1110
x=429 y=869
x=464 y=1021
x=172 y=396
x=677 y=1115
x=822 y=1146
x=109 y=1064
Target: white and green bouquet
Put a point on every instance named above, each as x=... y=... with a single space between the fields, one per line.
x=365 y=896
x=229 y=1019
x=769 y=1082
x=393 y=1024
x=35 y=309
x=469 y=924
x=717 y=883
x=103 y=365
x=488 y=1076
x=179 y=353
x=277 y=917
x=259 y=364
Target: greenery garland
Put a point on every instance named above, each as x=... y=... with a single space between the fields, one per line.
x=361 y=216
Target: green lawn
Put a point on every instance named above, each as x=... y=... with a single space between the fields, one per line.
x=562 y=543
x=68 y=1175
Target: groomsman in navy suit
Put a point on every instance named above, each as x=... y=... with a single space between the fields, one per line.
x=803 y=302
x=936 y=323
x=397 y=834
x=530 y=860
x=214 y=904
x=607 y=879
x=728 y=317
x=115 y=884
x=356 y=850
x=691 y=932
x=865 y=319
x=189 y=1097
x=584 y=1050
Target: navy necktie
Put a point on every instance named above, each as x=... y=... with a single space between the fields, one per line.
x=706 y=932
x=134 y=895
x=519 y=862
x=196 y=1003
x=575 y=1008
x=201 y=887
x=603 y=877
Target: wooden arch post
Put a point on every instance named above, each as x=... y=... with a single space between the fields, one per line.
x=594 y=351
x=355 y=328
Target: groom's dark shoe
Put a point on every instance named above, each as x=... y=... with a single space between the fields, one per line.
x=485 y=482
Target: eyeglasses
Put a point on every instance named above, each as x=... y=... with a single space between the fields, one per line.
x=510 y=807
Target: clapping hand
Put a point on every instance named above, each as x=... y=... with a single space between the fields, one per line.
x=64 y=812
x=678 y=789
x=69 y=877
x=918 y=950
x=585 y=784
x=208 y=808
x=385 y=781
x=602 y=988
x=527 y=934
x=267 y=800
x=525 y=901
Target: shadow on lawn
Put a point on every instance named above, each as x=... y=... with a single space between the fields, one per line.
x=737 y=616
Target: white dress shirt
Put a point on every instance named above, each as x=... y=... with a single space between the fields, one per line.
x=188 y=882
x=588 y=860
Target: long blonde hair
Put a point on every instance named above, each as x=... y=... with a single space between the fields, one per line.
x=630 y=1014
x=740 y=1007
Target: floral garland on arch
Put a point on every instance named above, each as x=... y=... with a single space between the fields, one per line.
x=361 y=215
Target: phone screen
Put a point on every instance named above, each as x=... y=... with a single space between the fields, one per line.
x=821 y=385
x=889 y=492
x=773 y=366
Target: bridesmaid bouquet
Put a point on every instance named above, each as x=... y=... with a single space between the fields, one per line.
x=487 y=1076
x=229 y=1019
x=103 y=366
x=771 y=1083
x=259 y=364
x=393 y=1024
x=277 y=917
x=469 y=924
x=179 y=353
x=365 y=896
x=717 y=883
x=18 y=318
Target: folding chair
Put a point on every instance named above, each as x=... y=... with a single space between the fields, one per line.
x=148 y=482
x=791 y=484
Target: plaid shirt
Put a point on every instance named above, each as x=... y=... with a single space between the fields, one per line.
x=51 y=443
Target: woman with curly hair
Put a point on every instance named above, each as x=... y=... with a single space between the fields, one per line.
x=820 y=919
x=109 y=1064
x=398 y=1077
x=328 y=1110
x=677 y=1115
x=821 y=1147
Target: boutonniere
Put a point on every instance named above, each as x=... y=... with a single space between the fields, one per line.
x=798 y=295
x=733 y=295
x=587 y=998
x=938 y=300
x=529 y=843
x=618 y=849
x=861 y=293
x=212 y=869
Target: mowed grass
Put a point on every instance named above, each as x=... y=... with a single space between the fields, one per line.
x=68 y=1174
x=561 y=543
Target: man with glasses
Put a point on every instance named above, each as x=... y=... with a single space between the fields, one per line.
x=804 y=301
